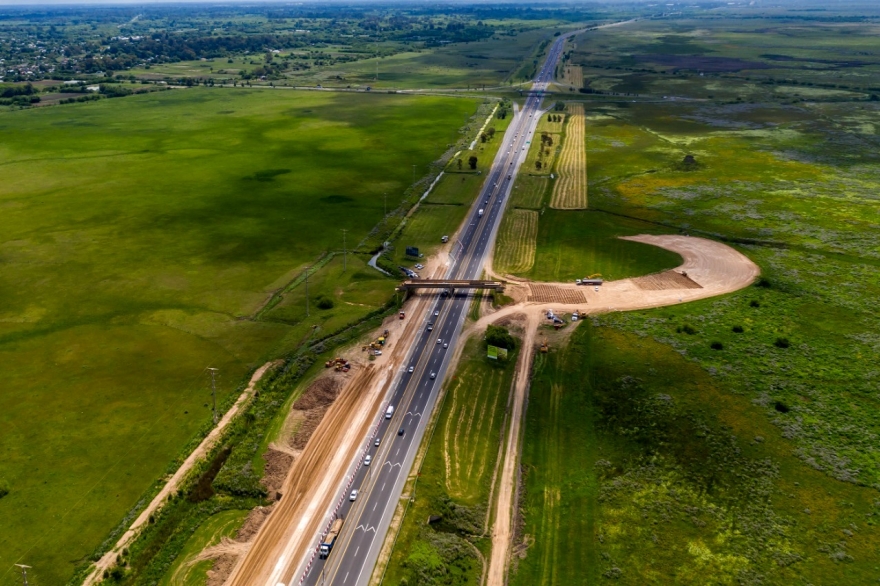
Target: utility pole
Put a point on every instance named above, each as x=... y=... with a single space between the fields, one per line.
x=307 y=291
x=24 y=570
x=214 y=392
x=344 y=251
x=385 y=203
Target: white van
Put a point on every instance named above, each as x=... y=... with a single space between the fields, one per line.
x=389 y=412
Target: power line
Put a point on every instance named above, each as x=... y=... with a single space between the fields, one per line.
x=344 y=265
x=214 y=392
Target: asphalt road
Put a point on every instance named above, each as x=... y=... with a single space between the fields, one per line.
x=381 y=483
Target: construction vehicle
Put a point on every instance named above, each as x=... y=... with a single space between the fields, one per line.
x=544 y=347
x=340 y=364
x=330 y=540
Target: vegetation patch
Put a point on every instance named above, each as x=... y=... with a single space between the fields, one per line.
x=570 y=188
x=515 y=250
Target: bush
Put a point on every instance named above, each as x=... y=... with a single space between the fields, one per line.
x=738 y=329
x=717 y=345
x=325 y=303
x=687 y=329
x=762 y=282
x=754 y=303
x=782 y=343
x=4 y=488
x=499 y=336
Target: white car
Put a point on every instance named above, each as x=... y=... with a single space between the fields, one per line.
x=353 y=496
x=433 y=375
x=410 y=369
x=377 y=442
x=436 y=313
x=577 y=281
x=439 y=340
x=445 y=346
x=367 y=460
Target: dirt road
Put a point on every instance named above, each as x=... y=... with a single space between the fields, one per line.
x=712 y=269
x=173 y=483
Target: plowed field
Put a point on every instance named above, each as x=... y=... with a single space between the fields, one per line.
x=570 y=191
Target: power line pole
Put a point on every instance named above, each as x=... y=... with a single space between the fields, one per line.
x=307 y=291
x=385 y=203
x=344 y=266
x=24 y=570
x=214 y=392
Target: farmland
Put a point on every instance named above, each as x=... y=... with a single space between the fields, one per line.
x=456 y=478
x=642 y=467
x=570 y=189
x=136 y=253
x=516 y=241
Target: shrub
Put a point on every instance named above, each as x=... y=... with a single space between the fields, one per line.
x=687 y=329
x=781 y=407
x=717 y=345
x=782 y=343
x=499 y=336
x=754 y=303
x=762 y=282
x=325 y=303
x=4 y=488
x=738 y=329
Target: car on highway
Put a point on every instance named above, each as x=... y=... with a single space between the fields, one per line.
x=436 y=313
x=439 y=340
x=377 y=442
x=410 y=369
x=368 y=459
x=445 y=346
x=399 y=432
x=353 y=496
x=430 y=327
x=433 y=375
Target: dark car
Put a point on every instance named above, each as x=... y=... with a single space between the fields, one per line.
x=400 y=431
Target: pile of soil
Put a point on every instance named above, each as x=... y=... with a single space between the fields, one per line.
x=320 y=393
x=277 y=466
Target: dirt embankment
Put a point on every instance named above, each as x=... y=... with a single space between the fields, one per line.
x=305 y=415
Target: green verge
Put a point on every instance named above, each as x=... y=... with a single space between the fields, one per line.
x=576 y=244
x=639 y=467
x=455 y=478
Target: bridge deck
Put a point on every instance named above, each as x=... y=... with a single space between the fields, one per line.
x=450 y=284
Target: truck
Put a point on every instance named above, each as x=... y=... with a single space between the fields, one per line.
x=328 y=542
x=389 y=412
x=480 y=213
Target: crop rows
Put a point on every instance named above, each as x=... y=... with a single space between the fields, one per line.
x=574 y=75
x=570 y=191
x=515 y=252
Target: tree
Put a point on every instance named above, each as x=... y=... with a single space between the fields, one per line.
x=538 y=165
x=472 y=162
x=490 y=131
x=458 y=162
x=483 y=137
x=500 y=337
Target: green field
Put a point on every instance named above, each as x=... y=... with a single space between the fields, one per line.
x=574 y=244
x=642 y=468
x=135 y=253
x=186 y=571
x=456 y=478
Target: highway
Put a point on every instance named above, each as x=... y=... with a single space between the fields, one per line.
x=381 y=483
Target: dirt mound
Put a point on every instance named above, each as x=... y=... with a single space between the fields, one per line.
x=278 y=463
x=311 y=420
x=226 y=553
x=320 y=393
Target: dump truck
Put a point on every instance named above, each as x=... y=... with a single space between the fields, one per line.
x=330 y=540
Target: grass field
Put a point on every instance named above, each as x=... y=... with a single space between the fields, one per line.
x=641 y=467
x=186 y=571
x=131 y=248
x=515 y=251
x=455 y=478
x=529 y=190
x=574 y=244
x=488 y=63
x=570 y=187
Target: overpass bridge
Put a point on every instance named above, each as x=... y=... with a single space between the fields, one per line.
x=450 y=284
